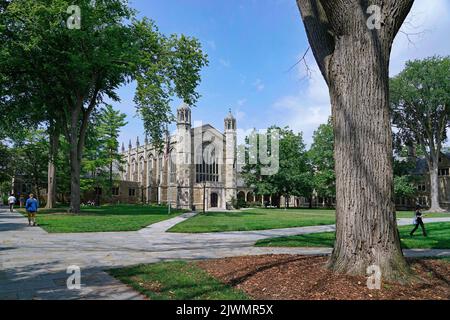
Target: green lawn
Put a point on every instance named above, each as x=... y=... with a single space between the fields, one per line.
x=255 y=219
x=438 y=238
x=261 y=219
x=410 y=214
x=176 y=280
x=102 y=219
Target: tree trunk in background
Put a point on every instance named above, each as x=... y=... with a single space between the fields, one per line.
x=111 y=180
x=434 y=185
x=51 y=176
x=76 y=135
x=75 y=170
x=354 y=60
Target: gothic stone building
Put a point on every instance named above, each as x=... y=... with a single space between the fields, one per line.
x=196 y=168
x=421 y=172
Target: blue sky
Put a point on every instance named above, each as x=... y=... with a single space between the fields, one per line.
x=252 y=44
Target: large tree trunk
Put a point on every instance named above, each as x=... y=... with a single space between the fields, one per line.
x=366 y=228
x=76 y=135
x=51 y=175
x=354 y=61
x=434 y=185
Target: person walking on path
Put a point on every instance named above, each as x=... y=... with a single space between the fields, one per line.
x=32 y=207
x=418 y=221
x=11 y=201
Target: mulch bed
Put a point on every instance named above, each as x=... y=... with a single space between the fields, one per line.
x=295 y=277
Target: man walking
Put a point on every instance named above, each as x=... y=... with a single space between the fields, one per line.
x=11 y=202
x=418 y=221
x=32 y=207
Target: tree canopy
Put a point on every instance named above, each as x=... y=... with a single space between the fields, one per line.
x=420 y=104
x=294 y=175
x=49 y=70
x=321 y=155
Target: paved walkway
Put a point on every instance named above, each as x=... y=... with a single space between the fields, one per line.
x=33 y=263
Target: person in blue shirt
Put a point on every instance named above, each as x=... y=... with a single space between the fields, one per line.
x=32 y=207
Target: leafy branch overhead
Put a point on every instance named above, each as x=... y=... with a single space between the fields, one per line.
x=62 y=75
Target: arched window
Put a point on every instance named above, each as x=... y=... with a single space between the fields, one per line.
x=160 y=168
x=141 y=169
x=149 y=170
x=207 y=167
x=134 y=170
x=173 y=167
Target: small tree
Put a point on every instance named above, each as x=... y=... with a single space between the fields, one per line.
x=322 y=160
x=6 y=170
x=109 y=125
x=294 y=174
x=31 y=159
x=102 y=151
x=420 y=102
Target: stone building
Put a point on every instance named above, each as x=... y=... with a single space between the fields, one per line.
x=196 y=168
x=421 y=172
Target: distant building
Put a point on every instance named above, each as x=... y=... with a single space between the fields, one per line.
x=421 y=172
x=196 y=167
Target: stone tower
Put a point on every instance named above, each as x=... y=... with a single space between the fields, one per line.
x=230 y=158
x=184 y=159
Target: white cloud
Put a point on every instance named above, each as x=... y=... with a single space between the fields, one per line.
x=259 y=85
x=241 y=102
x=225 y=63
x=309 y=108
x=243 y=79
x=427 y=25
x=240 y=115
x=212 y=44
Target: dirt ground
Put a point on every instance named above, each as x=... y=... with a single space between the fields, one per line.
x=294 y=277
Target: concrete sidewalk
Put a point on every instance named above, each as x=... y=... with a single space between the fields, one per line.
x=33 y=263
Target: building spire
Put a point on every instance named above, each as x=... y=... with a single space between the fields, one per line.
x=129 y=145
x=123 y=147
x=184 y=115
x=137 y=142
x=230 y=121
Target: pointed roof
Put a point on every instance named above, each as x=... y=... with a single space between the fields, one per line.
x=184 y=106
x=230 y=115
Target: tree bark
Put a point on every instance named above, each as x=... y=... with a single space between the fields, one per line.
x=76 y=135
x=354 y=61
x=75 y=170
x=434 y=184
x=51 y=175
x=366 y=228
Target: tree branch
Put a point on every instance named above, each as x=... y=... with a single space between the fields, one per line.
x=395 y=13
x=319 y=33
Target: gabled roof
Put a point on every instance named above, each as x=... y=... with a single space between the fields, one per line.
x=422 y=165
x=208 y=127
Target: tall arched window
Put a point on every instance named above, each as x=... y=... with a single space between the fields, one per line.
x=149 y=170
x=134 y=170
x=160 y=168
x=173 y=167
x=141 y=169
x=207 y=167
